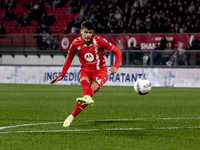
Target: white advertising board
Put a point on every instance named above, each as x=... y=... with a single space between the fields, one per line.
x=175 y=77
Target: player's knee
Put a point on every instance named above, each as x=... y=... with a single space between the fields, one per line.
x=84 y=78
x=94 y=86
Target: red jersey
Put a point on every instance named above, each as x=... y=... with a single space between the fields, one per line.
x=91 y=54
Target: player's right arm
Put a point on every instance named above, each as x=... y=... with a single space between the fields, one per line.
x=70 y=56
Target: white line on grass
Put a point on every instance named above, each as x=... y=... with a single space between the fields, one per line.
x=103 y=120
x=25 y=125
x=135 y=119
x=89 y=130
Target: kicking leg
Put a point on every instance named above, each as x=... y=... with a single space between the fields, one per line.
x=87 y=92
x=89 y=87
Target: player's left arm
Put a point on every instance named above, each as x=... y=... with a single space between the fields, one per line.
x=114 y=49
x=118 y=56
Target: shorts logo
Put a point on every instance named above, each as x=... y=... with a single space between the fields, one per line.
x=89 y=57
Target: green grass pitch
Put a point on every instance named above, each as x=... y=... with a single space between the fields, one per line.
x=31 y=118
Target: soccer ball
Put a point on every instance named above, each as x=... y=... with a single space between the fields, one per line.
x=142 y=86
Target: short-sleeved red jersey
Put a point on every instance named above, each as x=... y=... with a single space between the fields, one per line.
x=91 y=55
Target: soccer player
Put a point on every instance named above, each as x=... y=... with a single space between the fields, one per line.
x=93 y=72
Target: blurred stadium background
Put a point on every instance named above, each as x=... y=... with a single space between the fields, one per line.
x=46 y=27
x=158 y=35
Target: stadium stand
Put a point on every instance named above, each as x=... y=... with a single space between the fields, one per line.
x=108 y=16
x=60 y=13
x=112 y=16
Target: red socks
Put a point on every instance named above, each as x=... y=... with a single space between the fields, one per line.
x=78 y=109
x=86 y=89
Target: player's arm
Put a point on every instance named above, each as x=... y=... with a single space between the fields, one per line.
x=118 y=56
x=66 y=65
x=114 y=49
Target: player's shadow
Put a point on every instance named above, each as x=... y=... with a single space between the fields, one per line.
x=111 y=122
x=98 y=123
x=119 y=128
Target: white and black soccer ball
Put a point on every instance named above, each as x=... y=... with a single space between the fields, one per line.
x=142 y=86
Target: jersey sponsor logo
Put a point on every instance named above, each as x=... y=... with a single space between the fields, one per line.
x=89 y=57
x=65 y=43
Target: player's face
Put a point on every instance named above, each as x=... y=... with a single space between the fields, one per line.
x=86 y=34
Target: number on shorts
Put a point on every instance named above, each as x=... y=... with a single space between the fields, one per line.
x=98 y=80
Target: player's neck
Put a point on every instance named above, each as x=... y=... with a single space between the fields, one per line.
x=88 y=42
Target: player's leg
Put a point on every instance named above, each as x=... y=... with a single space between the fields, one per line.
x=84 y=78
x=81 y=102
x=99 y=78
x=94 y=86
x=77 y=110
x=87 y=92
x=89 y=87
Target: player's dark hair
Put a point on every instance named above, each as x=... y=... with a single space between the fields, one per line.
x=87 y=24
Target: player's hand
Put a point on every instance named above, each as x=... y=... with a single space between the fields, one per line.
x=56 y=80
x=113 y=70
